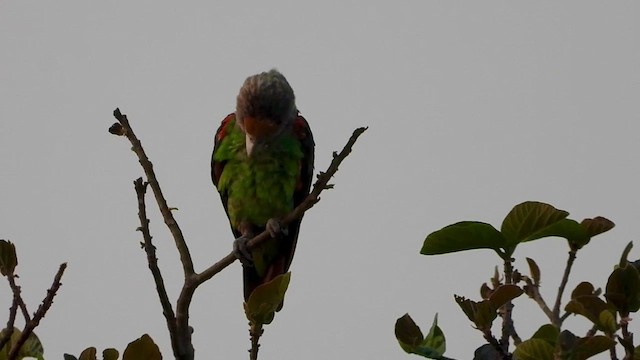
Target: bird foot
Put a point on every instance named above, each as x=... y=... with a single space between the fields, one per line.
x=275 y=229
x=241 y=251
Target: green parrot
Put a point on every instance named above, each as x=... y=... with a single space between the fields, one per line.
x=262 y=166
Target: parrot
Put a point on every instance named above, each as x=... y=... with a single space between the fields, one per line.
x=262 y=167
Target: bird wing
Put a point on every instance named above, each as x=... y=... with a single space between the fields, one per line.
x=217 y=167
x=302 y=132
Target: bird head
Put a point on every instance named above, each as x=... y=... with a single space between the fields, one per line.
x=265 y=108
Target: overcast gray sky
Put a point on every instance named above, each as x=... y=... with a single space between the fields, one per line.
x=472 y=107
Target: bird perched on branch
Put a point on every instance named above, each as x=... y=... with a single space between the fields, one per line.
x=262 y=166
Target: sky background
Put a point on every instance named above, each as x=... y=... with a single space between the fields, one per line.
x=472 y=108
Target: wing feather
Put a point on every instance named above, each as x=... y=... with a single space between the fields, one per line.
x=217 y=167
x=303 y=133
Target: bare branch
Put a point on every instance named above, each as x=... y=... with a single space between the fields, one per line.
x=16 y=295
x=506 y=312
x=39 y=314
x=533 y=291
x=563 y=284
x=255 y=331
x=500 y=348
x=13 y=311
x=123 y=128
x=152 y=260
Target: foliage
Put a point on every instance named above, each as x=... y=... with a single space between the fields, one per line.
x=142 y=348
x=265 y=300
x=16 y=343
x=8 y=258
x=412 y=341
x=530 y=221
x=32 y=348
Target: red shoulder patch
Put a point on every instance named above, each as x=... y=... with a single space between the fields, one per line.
x=222 y=130
x=301 y=127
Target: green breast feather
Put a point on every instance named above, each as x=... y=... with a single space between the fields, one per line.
x=258 y=187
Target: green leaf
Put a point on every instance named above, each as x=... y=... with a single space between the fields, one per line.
x=590 y=346
x=575 y=348
x=485 y=291
x=69 y=357
x=565 y=228
x=464 y=235
x=583 y=289
x=142 y=348
x=526 y=220
x=435 y=338
x=534 y=270
x=608 y=322
x=567 y=342
x=408 y=333
x=625 y=254
x=503 y=294
x=486 y=352
x=110 y=354
x=480 y=313
x=266 y=299
x=412 y=341
x=534 y=349
x=8 y=257
x=32 y=348
x=597 y=225
x=591 y=307
x=88 y=354
x=577 y=234
x=623 y=289
x=548 y=333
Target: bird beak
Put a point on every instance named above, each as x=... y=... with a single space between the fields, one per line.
x=250 y=144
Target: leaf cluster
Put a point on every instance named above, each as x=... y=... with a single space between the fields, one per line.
x=530 y=221
x=142 y=348
x=16 y=343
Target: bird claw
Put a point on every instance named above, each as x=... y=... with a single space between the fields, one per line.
x=241 y=251
x=275 y=229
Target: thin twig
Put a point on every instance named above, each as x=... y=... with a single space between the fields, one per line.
x=152 y=260
x=255 y=331
x=16 y=294
x=627 y=337
x=147 y=166
x=533 y=291
x=39 y=314
x=504 y=354
x=508 y=329
x=563 y=284
x=592 y=332
x=184 y=348
x=13 y=311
